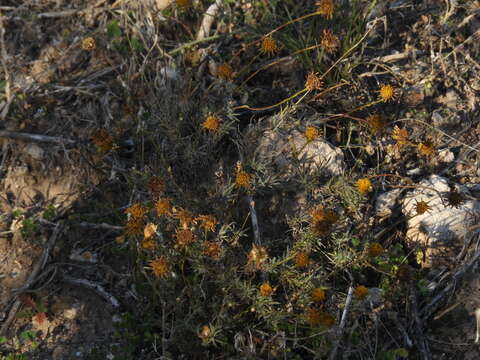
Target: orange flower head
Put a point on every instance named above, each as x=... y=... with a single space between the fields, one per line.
x=311 y=133
x=426 y=148
x=225 y=72
x=421 y=207
x=136 y=210
x=243 y=179
x=212 y=123
x=313 y=82
x=184 y=237
x=400 y=135
x=185 y=217
x=149 y=231
x=375 y=249
x=269 y=46
x=318 y=295
x=318 y=214
x=212 y=249
x=364 y=185
x=160 y=267
x=266 y=289
x=163 y=207
x=329 y=42
x=134 y=226
x=387 y=93
x=361 y=292
x=209 y=222
x=325 y=8
x=156 y=185
x=376 y=123
x=302 y=260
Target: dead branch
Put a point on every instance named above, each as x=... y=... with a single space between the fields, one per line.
x=207 y=20
x=35 y=137
x=343 y=321
x=102 y=226
x=3 y=55
x=95 y=287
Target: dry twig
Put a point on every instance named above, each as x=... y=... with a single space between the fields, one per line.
x=95 y=287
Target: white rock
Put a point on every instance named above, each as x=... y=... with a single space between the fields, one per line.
x=386 y=202
x=437 y=230
x=35 y=151
x=446 y=156
x=280 y=147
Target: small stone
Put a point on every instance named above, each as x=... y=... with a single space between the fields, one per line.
x=35 y=152
x=386 y=202
x=445 y=156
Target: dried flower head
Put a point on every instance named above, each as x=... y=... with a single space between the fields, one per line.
x=331 y=216
x=421 y=207
x=314 y=317
x=156 y=186
x=302 y=260
x=325 y=8
x=375 y=249
x=160 y=267
x=212 y=249
x=103 y=140
x=257 y=257
x=163 y=207
x=318 y=295
x=243 y=179
x=269 y=46
x=266 y=289
x=327 y=320
x=387 y=93
x=405 y=273
x=184 y=237
x=136 y=211
x=225 y=72
x=185 y=217
x=364 y=185
x=313 y=82
x=149 y=231
x=400 y=135
x=376 y=123
x=317 y=214
x=329 y=42
x=88 y=43
x=208 y=222
x=211 y=123
x=361 y=292
x=454 y=198
x=204 y=334
x=183 y=3
x=311 y=133
x=426 y=148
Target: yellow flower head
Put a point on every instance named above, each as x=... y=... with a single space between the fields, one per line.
x=302 y=260
x=318 y=295
x=312 y=133
x=375 y=249
x=361 y=292
x=325 y=8
x=163 y=207
x=426 y=148
x=88 y=43
x=149 y=231
x=209 y=222
x=212 y=123
x=376 y=123
x=225 y=72
x=212 y=249
x=160 y=267
x=184 y=237
x=266 y=289
x=400 y=135
x=243 y=179
x=387 y=92
x=137 y=211
x=364 y=185
x=269 y=46
x=313 y=82
x=329 y=41
x=134 y=226
x=421 y=207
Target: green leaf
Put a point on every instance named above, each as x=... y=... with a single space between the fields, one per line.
x=402 y=352
x=113 y=30
x=3 y=340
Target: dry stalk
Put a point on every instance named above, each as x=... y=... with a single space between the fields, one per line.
x=95 y=287
x=207 y=20
x=343 y=322
x=3 y=55
x=35 y=137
